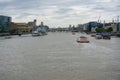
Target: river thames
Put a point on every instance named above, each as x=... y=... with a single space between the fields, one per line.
x=57 y=56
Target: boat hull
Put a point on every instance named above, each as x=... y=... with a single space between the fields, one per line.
x=82 y=39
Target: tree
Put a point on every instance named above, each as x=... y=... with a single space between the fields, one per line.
x=110 y=29
x=100 y=30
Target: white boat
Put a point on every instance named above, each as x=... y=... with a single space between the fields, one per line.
x=36 y=33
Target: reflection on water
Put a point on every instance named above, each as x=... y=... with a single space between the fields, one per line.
x=57 y=56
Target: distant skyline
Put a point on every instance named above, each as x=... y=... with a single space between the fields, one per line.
x=60 y=13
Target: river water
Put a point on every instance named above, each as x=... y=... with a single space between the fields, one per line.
x=57 y=56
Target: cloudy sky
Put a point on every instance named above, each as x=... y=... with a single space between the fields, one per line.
x=55 y=13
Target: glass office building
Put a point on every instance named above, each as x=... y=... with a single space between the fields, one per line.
x=118 y=27
x=93 y=24
x=5 y=23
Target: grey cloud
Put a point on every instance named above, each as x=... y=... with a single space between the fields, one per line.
x=63 y=10
x=118 y=6
x=98 y=7
x=61 y=17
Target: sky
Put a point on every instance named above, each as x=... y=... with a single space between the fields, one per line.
x=60 y=13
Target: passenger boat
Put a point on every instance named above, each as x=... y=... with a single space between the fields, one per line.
x=8 y=37
x=82 y=39
x=36 y=33
x=106 y=36
x=93 y=35
x=118 y=34
x=73 y=33
x=98 y=37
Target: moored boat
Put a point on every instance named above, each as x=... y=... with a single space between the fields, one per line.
x=73 y=33
x=106 y=36
x=36 y=33
x=93 y=35
x=98 y=37
x=8 y=37
x=118 y=34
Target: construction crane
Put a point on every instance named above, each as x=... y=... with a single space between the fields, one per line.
x=99 y=19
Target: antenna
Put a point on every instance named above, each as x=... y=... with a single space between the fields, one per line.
x=99 y=19
x=104 y=23
x=118 y=19
x=113 y=21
